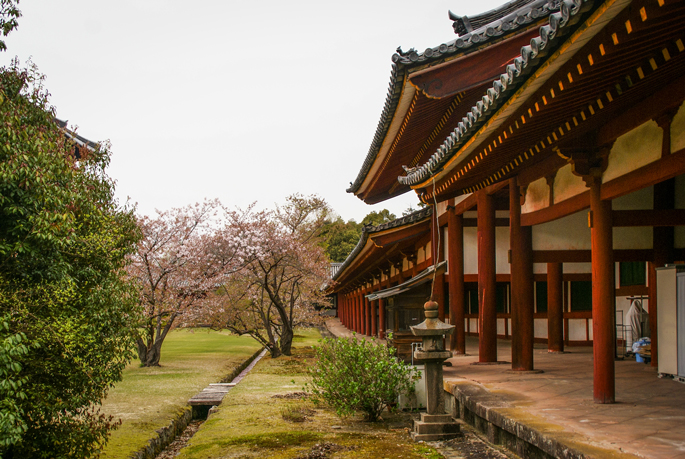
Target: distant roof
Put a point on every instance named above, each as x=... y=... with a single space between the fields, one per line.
x=80 y=141
x=506 y=20
x=369 y=229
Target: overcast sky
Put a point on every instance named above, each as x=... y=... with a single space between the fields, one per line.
x=241 y=100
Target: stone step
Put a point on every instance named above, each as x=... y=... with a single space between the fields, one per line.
x=433 y=418
x=449 y=428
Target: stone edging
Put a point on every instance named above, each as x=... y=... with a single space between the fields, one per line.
x=486 y=413
x=166 y=435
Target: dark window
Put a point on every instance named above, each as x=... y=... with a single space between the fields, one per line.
x=632 y=273
x=541 y=296
x=501 y=298
x=471 y=302
x=581 y=296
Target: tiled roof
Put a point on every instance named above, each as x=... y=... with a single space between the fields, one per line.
x=524 y=12
x=367 y=230
x=466 y=24
x=495 y=95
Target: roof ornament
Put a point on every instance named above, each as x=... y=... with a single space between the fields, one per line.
x=460 y=24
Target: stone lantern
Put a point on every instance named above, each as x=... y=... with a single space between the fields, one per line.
x=435 y=424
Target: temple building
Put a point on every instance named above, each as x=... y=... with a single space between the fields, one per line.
x=547 y=141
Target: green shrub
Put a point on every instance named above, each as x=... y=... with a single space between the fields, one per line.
x=356 y=375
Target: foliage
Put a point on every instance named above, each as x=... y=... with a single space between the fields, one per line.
x=377 y=218
x=358 y=375
x=9 y=13
x=184 y=255
x=339 y=238
x=279 y=285
x=66 y=311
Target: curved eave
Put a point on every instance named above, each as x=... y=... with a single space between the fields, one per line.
x=404 y=63
x=367 y=244
x=512 y=88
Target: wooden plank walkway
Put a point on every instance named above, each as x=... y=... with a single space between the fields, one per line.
x=214 y=394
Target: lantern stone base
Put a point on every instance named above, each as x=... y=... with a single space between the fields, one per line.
x=435 y=427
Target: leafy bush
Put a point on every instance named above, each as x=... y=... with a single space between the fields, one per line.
x=358 y=375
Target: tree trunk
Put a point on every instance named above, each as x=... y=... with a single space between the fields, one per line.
x=149 y=355
x=287 y=339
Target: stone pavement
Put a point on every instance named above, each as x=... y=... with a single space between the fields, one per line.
x=647 y=420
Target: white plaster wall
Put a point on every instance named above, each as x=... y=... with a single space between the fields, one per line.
x=633 y=150
x=680 y=202
x=576 y=330
x=473 y=324
x=567 y=185
x=637 y=200
x=502 y=265
x=537 y=196
x=470 y=250
x=678 y=130
x=470 y=214
x=420 y=255
x=500 y=326
x=633 y=237
x=540 y=268
x=540 y=328
x=577 y=268
x=567 y=233
x=427 y=251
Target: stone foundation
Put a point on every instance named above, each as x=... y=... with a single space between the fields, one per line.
x=482 y=410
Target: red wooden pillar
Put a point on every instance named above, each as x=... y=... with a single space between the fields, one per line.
x=455 y=237
x=374 y=319
x=603 y=296
x=367 y=315
x=358 y=310
x=522 y=298
x=381 y=318
x=362 y=300
x=487 y=323
x=555 y=307
x=438 y=293
x=664 y=238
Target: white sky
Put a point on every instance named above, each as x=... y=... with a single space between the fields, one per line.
x=241 y=100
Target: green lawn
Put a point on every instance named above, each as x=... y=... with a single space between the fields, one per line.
x=149 y=398
x=259 y=418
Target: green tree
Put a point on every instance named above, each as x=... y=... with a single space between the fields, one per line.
x=339 y=238
x=377 y=218
x=67 y=314
x=9 y=13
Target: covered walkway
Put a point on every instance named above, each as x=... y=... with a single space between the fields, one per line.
x=647 y=420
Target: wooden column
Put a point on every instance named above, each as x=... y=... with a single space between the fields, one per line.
x=381 y=318
x=603 y=295
x=362 y=317
x=664 y=239
x=487 y=323
x=555 y=307
x=455 y=237
x=374 y=318
x=522 y=298
x=436 y=257
x=365 y=315
x=358 y=311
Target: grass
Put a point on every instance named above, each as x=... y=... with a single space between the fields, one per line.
x=263 y=416
x=149 y=398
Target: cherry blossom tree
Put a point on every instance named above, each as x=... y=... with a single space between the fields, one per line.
x=284 y=269
x=185 y=254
